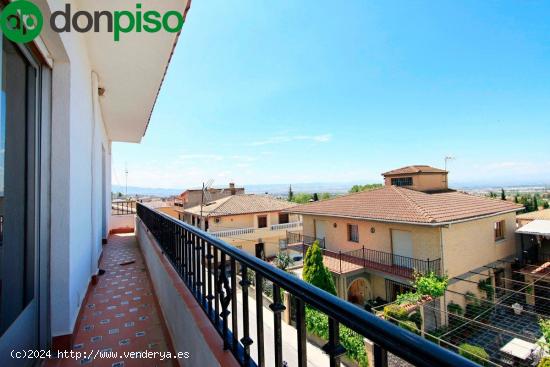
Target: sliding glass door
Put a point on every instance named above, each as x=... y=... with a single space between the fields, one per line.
x=20 y=102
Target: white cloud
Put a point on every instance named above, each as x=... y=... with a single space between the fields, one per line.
x=287 y=139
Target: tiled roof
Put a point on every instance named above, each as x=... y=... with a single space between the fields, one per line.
x=241 y=204
x=414 y=169
x=398 y=204
x=541 y=214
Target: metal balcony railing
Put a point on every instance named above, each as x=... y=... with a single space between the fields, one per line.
x=344 y=262
x=123 y=207
x=296 y=238
x=209 y=267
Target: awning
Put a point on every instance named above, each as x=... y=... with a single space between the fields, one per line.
x=537 y=227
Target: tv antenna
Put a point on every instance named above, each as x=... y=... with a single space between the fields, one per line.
x=206 y=196
x=448 y=158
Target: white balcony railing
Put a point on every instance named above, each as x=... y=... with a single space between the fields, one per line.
x=276 y=227
x=233 y=232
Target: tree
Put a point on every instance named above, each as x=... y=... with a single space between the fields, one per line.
x=315 y=197
x=290 y=193
x=283 y=261
x=315 y=272
x=301 y=198
x=367 y=187
x=502 y=194
x=325 y=196
x=535 y=205
x=545 y=204
x=516 y=199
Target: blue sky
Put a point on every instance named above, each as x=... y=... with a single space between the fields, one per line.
x=321 y=91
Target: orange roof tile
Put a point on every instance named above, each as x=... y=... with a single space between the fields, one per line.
x=398 y=204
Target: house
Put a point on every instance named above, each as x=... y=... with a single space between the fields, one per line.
x=374 y=240
x=193 y=197
x=245 y=220
x=525 y=218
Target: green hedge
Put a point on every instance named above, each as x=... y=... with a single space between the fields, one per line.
x=545 y=362
x=394 y=312
x=473 y=353
x=317 y=324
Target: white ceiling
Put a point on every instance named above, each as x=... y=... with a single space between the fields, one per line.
x=131 y=70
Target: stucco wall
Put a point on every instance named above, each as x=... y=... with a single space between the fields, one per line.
x=78 y=219
x=471 y=244
x=426 y=240
x=423 y=182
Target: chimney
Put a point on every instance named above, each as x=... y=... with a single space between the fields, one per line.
x=232 y=188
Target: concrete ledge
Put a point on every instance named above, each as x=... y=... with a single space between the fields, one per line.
x=189 y=327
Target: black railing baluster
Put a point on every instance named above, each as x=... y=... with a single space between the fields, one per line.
x=301 y=332
x=224 y=292
x=380 y=356
x=333 y=347
x=210 y=296
x=234 y=307
x=277 y=307
x=204 y=280
x=216 y=292
x=260 y=319
x=245 y=340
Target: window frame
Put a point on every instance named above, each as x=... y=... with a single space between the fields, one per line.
x=351 y=237
x=262 y=217
x=499 y=230
x=402 y=181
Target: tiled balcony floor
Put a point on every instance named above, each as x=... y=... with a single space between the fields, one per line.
x=121 y=313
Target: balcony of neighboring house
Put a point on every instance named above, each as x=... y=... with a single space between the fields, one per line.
x=212 y=298
x=340 y=262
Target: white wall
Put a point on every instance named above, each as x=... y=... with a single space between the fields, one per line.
x=78 y=135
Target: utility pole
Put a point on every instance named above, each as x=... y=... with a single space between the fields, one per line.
x=126 y=174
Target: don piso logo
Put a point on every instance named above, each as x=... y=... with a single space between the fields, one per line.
x=21 y=21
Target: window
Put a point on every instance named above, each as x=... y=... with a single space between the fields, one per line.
x=283 y=218
x=262 y=221
x=499 y=230
x=19 y=109
x=402 y=181
x=353 y=233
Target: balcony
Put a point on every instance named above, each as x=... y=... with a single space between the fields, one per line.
x=257 y=231
x=364 y=258
x=218 y=279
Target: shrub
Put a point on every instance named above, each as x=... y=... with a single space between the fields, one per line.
x=545 y=362
x=395 y=312
x=410 y=326
x=473 y=353
x=317 y=324
x=315 y=272
x=416 y=317
x=455 y=308
x=408 y=297
x=431 y=284
x=544 y=325
x=486 y=286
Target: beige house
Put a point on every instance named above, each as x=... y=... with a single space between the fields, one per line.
x=246 y=220
x=525 y=218
x=374 y=240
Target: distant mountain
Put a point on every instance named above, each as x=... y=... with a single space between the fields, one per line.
x=146 y=191
x=319 y=187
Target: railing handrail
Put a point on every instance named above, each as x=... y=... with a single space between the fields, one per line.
x=396 y=340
